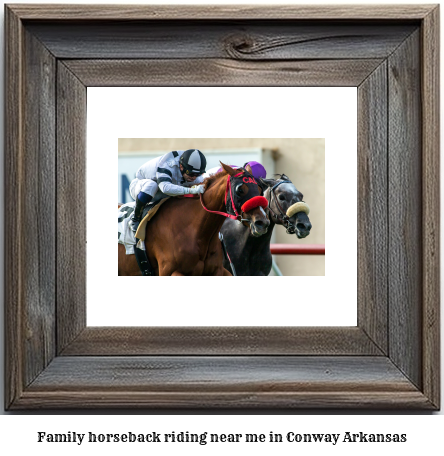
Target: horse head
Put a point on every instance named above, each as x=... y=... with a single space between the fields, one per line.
x=244 y=200
x=286 y=206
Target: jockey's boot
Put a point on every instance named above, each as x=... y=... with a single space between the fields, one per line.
x=137 y=215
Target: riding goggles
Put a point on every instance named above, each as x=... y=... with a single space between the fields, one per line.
x=188 y=173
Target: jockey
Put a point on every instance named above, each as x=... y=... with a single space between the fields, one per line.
x=172 y=174
x=253 y=167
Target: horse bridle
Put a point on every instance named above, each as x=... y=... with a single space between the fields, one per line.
x=282 y=216
x=228 y=191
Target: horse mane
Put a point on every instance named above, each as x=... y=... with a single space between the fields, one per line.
x=211 y=179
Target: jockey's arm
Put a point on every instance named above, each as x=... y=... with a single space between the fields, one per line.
x=172 y=190
x=177 y=190
x=165 y=182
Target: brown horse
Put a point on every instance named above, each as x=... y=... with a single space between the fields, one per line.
x=183 y=238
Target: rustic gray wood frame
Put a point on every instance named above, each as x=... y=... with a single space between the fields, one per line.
x=390 y=360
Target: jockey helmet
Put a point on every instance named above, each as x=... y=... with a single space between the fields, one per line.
x=193 y=161
x=257 y=169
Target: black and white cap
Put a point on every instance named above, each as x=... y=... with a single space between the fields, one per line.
x=193 y=161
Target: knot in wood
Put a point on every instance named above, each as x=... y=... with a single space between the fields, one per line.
x=238 y=46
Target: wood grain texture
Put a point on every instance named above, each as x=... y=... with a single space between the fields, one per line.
x=220 y=12
x=231 y=401
x=126 y=341
x=241 y=40
x=30 y=225
x=71 y=206
x=430 y=94
x=13 y=209
x=234 y=382
x=217 y=72
x=38 y=172
x=405 y=209
x=372 y=207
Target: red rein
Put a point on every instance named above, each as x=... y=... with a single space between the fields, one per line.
x=256 y=201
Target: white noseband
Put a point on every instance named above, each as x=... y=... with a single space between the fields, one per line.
x=298 y=207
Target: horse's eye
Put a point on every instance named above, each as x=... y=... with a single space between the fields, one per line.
x=282 y=197
x=239 y=190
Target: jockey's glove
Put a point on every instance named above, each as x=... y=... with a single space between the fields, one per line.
x=196 y=189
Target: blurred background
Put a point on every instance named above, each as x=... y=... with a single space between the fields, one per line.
x=301 y=159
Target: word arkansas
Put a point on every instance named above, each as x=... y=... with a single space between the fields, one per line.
x=362 y=437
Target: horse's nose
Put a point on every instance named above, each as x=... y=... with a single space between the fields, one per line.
x=262 y=225
x=304 y=226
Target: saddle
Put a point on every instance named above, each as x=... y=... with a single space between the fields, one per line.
x=148 y=213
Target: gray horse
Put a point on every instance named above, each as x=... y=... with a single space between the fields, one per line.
x=251 y=255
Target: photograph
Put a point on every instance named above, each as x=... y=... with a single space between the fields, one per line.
x=253 y=221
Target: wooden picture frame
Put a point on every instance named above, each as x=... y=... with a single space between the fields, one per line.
x=390 y=360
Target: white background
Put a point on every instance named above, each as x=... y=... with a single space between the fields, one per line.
x=222 y=301
x=22 y=434
x=18 y=433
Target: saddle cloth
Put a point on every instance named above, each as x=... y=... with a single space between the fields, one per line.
x=127 y=237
